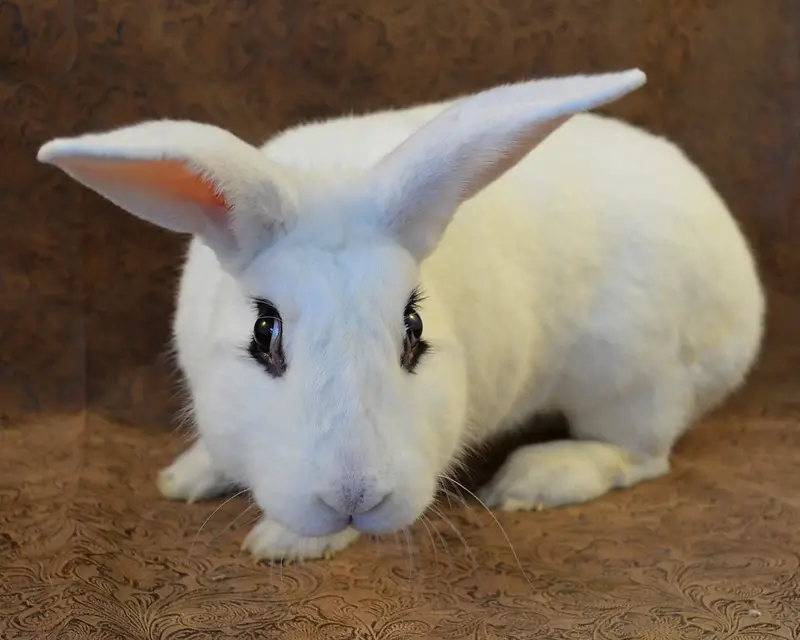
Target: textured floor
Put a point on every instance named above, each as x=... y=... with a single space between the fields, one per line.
x=90 y=550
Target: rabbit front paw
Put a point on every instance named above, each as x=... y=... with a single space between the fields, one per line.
x=273 y=542
x=192 y=477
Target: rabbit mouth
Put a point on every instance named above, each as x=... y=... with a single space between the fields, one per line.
x=389 y=516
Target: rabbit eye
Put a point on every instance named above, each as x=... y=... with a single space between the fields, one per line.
x=413 y=344
x=267 y=333
x=413 y=323
x=266 y=347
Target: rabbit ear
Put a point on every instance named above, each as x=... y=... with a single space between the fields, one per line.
x=418 y=186
x=183 y=176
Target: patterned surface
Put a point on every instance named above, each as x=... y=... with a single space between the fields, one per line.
x=87 y=548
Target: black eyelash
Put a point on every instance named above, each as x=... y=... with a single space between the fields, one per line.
x=423 y=346
x=415 y=300
x=261 y=303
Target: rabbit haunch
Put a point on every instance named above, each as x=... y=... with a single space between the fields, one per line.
x=568 y=261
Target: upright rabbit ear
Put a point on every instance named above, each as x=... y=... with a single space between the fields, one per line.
x=184 y=176
x=418 y=186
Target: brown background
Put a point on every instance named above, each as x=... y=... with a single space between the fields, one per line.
x=87 y=291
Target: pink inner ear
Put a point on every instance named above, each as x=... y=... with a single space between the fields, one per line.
x=169 y=178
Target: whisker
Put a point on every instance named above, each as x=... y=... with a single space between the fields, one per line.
x=500 y=526
x=205 y=522
x=397 y=541
x=442 y=539
x=232 y=522
x=425 y=520
x=407 y=535
x=381 y=543
x=469 y=511
x=459 y=535
x=254 y=519
x=449 y=501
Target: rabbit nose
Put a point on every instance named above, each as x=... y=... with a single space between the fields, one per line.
x=353 y=498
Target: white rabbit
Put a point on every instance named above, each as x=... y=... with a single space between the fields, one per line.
x=367 y=297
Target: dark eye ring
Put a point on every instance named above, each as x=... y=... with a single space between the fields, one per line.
x=266 y=346
x=267 y=334
x=413 y=324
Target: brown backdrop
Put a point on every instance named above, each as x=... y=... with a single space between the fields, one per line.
x=87 y=291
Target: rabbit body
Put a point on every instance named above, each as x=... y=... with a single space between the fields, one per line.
x=600 y=275
x=602 y=259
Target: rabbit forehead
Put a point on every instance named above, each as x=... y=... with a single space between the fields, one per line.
x=366 y=275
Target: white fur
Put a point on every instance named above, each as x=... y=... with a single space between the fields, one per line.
x=600 y=275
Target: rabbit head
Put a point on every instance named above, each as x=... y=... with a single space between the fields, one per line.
x=332 y=385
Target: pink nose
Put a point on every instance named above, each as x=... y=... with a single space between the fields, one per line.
x=353 y=498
